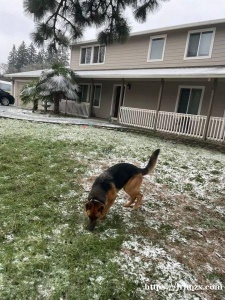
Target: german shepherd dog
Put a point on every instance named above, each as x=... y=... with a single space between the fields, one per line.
x=106 y=186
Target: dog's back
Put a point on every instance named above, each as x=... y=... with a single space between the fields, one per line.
x=119 y=175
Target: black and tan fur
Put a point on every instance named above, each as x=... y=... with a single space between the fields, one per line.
x=106 y=186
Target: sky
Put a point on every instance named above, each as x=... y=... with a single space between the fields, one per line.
x=16 y=26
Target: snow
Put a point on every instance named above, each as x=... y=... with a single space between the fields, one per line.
x=185 y=177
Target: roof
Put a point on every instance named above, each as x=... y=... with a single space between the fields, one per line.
x=210 y=72
x=163 y=29
x=29 y=74
x=202 y=72
x=5 y=82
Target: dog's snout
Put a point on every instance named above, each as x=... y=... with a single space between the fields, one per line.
x=91 y=225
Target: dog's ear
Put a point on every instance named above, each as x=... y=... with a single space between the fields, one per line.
x=88 y=205
x=101 y=209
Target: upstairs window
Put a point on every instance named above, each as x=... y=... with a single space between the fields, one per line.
x=200 y=44
x=157 y=48
x=92 y=55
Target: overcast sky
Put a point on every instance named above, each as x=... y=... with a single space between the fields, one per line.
x=16 y=27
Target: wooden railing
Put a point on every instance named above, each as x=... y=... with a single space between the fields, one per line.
x=190 y=125
x=71 y=107
x=216 y=130
x=183 y=124
x=137 y=117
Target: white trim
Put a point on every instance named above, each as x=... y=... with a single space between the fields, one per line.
x=100 y=97
x=164 y=36
x=211 y=45
x=190 y=87
x=92 y=55
x=148 y=73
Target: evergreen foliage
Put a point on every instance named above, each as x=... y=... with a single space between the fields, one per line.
x=27 y=58
x=60 y=21
x=53 y=85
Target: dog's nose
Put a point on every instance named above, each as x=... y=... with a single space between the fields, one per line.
x=91 y=225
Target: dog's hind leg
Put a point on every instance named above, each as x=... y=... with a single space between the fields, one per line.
x=132 y=188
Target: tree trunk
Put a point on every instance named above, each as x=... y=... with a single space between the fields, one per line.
x=57 y=98
x=35 y=105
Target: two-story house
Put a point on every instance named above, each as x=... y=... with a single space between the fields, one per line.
x=171 y=79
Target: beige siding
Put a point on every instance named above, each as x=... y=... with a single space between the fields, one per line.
x=133 y=54
x=142 y=95
x=106 y=99
x=145 y=95
x=218 y=109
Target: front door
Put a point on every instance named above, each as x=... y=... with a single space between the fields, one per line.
x=117 y=89
x=117 y=97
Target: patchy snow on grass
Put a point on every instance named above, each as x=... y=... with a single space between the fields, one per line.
x=150 y=265
x=175 y=239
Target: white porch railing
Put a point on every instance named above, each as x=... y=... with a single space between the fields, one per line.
x=183 y=124
x=216 y=130
x=71 y=107
x=190 y=125
x=137 y=117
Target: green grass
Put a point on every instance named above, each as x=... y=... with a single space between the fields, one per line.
x=46 y=252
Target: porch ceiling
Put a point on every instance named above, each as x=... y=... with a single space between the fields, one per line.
x=207 y=72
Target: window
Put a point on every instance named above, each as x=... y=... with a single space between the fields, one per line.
x=157 y=48
x=84 y=92
x=92 y=55
x=190 y=100
x=97 y=95
x=200 y=43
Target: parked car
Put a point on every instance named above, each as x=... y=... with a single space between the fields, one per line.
x=6 y=98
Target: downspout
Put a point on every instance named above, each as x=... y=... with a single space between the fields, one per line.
x=212 y=97
x=159 y=103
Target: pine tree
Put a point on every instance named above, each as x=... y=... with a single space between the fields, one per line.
x=59 y=22
x=61 y=56
x=41 y=59
x=32 y=54
x=12 y=61
x=22 y=57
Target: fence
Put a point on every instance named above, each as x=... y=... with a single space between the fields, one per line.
x=71 y=107
x=183 y=124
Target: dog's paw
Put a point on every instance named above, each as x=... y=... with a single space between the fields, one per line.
x=128 y=204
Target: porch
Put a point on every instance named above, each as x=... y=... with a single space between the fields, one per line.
x=169 y=122
x=176 y=123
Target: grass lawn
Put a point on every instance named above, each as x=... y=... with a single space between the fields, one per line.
x=175 y=240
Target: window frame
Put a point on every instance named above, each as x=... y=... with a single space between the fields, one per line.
x=180 y=87
x=88 y=91
x=211 y=45
x=92 y=55
x=155 y=37
x=100 y=96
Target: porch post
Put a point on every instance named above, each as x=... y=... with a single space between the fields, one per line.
x=91 y=97
x=210 y=108
x=159 y=103
x=121 y=98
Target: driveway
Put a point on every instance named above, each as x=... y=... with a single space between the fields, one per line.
x=14 y=112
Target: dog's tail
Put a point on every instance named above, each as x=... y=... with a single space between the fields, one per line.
x=152 y=163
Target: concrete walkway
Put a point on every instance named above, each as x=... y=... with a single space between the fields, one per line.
x=14 y=112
